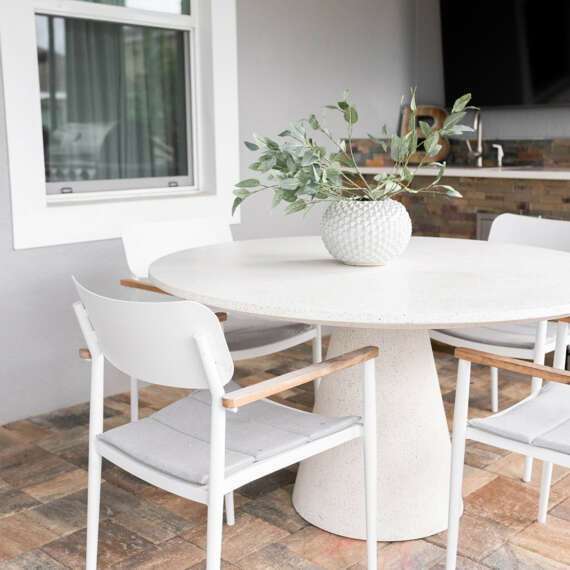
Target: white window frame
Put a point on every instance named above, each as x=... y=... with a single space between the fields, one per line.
x=40 y=219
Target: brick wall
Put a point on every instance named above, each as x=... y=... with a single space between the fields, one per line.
x=457 y=217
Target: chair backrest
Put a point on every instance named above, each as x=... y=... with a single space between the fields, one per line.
x=146 y=242
x=528 y=230
x=180 y=343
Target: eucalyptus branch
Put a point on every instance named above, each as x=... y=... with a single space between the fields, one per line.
x=303 y=174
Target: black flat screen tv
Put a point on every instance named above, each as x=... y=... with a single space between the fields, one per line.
x=507 y=53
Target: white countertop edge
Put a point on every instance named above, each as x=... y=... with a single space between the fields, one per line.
x=369 y=321
x=509 y=172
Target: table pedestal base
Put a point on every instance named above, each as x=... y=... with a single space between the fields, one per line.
x=413 y=443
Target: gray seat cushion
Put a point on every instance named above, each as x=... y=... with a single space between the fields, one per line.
x=244 y=332
x=175 y=439
x=521 y=335
x=557 y=439
x=542 y=420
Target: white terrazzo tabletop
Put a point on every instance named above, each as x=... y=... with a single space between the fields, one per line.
x=436 y=283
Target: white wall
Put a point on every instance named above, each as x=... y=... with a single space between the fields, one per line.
x=293 y=57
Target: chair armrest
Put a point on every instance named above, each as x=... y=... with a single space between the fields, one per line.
x=513 y=365
x=563 y=320
x=84 y=354
x=136 y=284
x=278 y=384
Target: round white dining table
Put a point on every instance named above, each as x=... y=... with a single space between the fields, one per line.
x=436 y=283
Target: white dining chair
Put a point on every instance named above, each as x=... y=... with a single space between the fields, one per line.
x=211 y=442
x=538 y=426
x=247 y=337
x=531 y=341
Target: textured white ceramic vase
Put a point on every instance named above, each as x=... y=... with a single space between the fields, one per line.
x=366 y=233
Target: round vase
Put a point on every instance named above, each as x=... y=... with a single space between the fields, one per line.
x=366 y=233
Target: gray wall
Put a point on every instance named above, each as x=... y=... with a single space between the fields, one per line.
x=297 y=56
x=293 y=57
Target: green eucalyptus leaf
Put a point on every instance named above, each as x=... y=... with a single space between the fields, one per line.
x=242 y=193
x=384 y=130
x=431 y=142
x=426 y=129
x=314 y=122
x=346 y=94
x=350 y=115
x=295 y=207
x=289 y=195
x=250 y=145
x=461 y=103
x=285 y=133
x=248 y=183
x=277 y=197
x=347 y=161
x=309 y=158
x=450 y=191
x=235 y=205
x=267 y=164
x=343 y=105
x=334 y=107
x=434 y=150
x=289 y=184
x=453 y=119
x=398 y=148
x=408 y=175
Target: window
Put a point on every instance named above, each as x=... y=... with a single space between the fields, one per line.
x=117 y=111
x=116 y=105
x=170 y=6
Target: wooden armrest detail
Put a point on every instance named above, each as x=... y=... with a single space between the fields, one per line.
x=136 y=284
x=563 y=320
x=84 y=354
x=297 y=377
x=513 y=365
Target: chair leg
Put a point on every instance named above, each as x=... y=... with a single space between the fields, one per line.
x=370 y=463
x=134 y=400
x=536 y=383
x=318 y=352
x=93 y=502
x=230 y=511
x=457 y=459
x=527 y=473
x=494 y=389
x=544 y=491
x=214 y=537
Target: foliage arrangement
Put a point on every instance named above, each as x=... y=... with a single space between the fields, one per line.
x=302 y=173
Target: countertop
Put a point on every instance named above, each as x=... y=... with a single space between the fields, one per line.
x=513 y=172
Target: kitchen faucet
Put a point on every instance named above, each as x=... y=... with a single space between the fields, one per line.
x=477 y=154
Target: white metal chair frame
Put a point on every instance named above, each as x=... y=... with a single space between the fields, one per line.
x=463 y=431
x=525 y=230
x=209 y=367
x=144 y=243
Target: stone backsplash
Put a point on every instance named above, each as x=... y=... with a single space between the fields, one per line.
x=457 y=217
